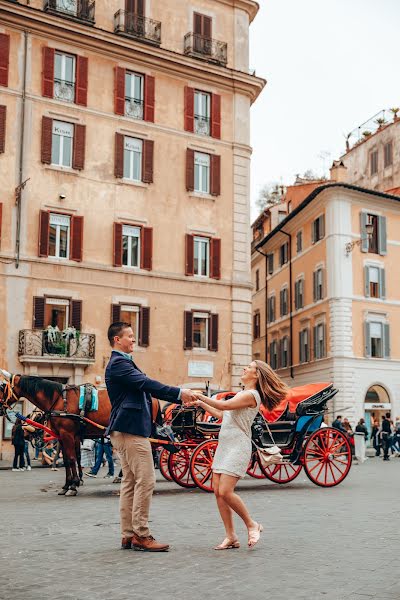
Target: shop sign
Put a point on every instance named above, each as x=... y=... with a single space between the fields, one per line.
x=377 y=405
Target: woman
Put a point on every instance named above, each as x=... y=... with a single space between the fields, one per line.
x=18 y=441
x=261 y=385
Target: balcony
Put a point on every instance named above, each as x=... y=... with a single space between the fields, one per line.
x=137 y=27
x=204 y=48
x=36 y=346
x=77 y=10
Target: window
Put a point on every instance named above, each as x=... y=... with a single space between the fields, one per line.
x=134 y=86
x=273 y=354
x=285 y=352
x=284 y=302
x=256 y=325
x=202 y=112
x=59 y=235
x=318 y=291
x=270 y=261
x=299 y=294
x=271 y=309
x=304 y=346
x=377 y=340
x=373 y=240
x=133 y=149
x=319 y=341
x=201 y=173
x=284 y=254
x=57 y=313
x=64 y=77
x=373 y=161
x=139 y=319
x=67 y=6
x=257 y=280
x=289 y=206
x=376 y=243
x=62 y=143
x=318 y=229
x=299 y=241
x=130 y=314
x=387 y=154
x=376 y=336
x=130 y=246
x=201 y=256
x=281 y=216
x=200 y=330
x=375 y=282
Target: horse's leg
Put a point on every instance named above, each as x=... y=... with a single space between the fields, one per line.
x=70 y=463
x=78 y=457
x=66 y=485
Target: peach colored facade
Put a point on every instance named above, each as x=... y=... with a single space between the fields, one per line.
x=96 y=194
x=358 y=307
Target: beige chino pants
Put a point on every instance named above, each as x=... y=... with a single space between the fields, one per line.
x=138 y=481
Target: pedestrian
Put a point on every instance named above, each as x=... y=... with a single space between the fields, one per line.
x=360 y=438
x=348 y=428
x=18 y=441
x=375 y=437
x=396 y=436
x=87 y=453
x=103 y=447
x=337 y=424
x=362 y=428
x=130 y=427
x=231 y=459
x=56 y=454
x=386 y=431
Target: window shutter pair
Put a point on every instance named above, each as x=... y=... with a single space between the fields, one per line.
x=215 y=172
x=79 y=143
x=3 y=113
x=144 y=322
x=39 y=304
x=147 y=159
x=382 y=234
x=119 y=94
x=215 y=256
x=202 y=25
x=213 y=326
x=215 y=125
x=4 y=58
x=81 y=81
x=146 y=247
x=76 y=236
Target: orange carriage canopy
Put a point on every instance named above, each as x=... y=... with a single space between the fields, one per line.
x=293 y=398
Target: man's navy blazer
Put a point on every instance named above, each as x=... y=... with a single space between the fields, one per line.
x=130 y=393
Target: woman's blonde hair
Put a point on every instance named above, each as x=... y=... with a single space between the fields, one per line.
x=270 y=387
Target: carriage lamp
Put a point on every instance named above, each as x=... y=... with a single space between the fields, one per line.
x=369 y=228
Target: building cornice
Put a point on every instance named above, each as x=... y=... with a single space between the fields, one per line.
x=248 y=6
x=104 y=42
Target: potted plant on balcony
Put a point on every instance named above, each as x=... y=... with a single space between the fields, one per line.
x=366 y=134
x=380 y=122
x=394 y=111
x=53 y=342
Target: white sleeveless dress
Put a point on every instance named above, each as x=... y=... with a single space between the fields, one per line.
x=233 y=453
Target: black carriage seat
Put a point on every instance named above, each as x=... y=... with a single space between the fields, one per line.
x=208 y=428
x=282 y=433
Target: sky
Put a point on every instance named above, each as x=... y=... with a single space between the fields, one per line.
x=329 y=66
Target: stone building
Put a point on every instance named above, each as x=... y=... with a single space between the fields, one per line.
x=124 y=170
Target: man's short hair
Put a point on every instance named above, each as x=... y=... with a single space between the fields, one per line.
x=338 y=417
x=116 y=329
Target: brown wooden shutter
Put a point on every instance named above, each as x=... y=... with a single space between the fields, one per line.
x=76 y=238
x=189 y=109
x=149 y=98
x=47 y=132
x=3 y=113
x=81 y=80
x=189 y=170
x=215 y=186
x=115 y=313
x=147 y=162
x=216 y=116
x=47 y=72
x=135 y=7
x=189 y=258
x=78 y=156
x=215 y=258
x=1 y=220
x=38 y=312
x=144 y=326
x=117 y=244
x=4 y=58
x=207 y=21
x=76 y=314
x=202 y=25
x=213 y=333
x=188 y=331
x=119 y=91
x=146 y=250
x=119 y=155
x=44 y=221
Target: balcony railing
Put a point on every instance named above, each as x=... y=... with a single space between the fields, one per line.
x=37 y=343
x=134 y=108
x=64 y=90
x=205 y=48
x=136 y=26
x=201 y=125
x=79 y=10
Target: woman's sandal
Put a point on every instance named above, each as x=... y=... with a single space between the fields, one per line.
x=254 y=537
x=228 y=544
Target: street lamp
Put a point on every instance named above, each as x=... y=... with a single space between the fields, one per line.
x=369 y=228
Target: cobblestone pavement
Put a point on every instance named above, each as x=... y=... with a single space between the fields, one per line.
x=334 y=544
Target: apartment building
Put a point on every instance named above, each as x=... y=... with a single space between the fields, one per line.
x=124 y=167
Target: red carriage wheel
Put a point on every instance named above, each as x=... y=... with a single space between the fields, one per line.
x=200 y=465
x=281 y=473
x=163 y=464
x=179 y=467
x=327 y=457
x=254 y=469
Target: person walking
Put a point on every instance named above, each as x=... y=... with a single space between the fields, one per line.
x=360 y=439
x=18 y=441
x=386 y=431
x=375 y=437
x=130 y=426
x=103 y=447
x=337 y=424
x=231 y=459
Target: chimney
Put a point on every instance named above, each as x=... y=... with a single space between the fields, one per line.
x=338 y=171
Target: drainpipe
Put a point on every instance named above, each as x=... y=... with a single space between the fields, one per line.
x=266 y=302
x=21 y=182
x=290 y=303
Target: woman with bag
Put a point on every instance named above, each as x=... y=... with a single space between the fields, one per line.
x=261 y=385
x=18 y=441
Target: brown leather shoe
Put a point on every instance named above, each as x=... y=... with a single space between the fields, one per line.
x=126 y=544
x=148 y=544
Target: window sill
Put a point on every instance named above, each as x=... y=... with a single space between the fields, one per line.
x=134 y=183
x=200 y=352
x=60 y=169
x=202 y=196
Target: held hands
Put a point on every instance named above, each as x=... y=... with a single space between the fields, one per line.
x=188 y=397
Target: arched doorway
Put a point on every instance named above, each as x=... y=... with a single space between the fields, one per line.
x=376 y=404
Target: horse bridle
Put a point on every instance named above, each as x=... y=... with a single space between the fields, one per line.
x=9 y=397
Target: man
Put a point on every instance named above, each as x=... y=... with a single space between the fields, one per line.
x=386 y=431
x=103 y=447
x=130 y=427
x=337 y=424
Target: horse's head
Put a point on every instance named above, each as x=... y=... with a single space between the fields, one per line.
x=7 y=395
